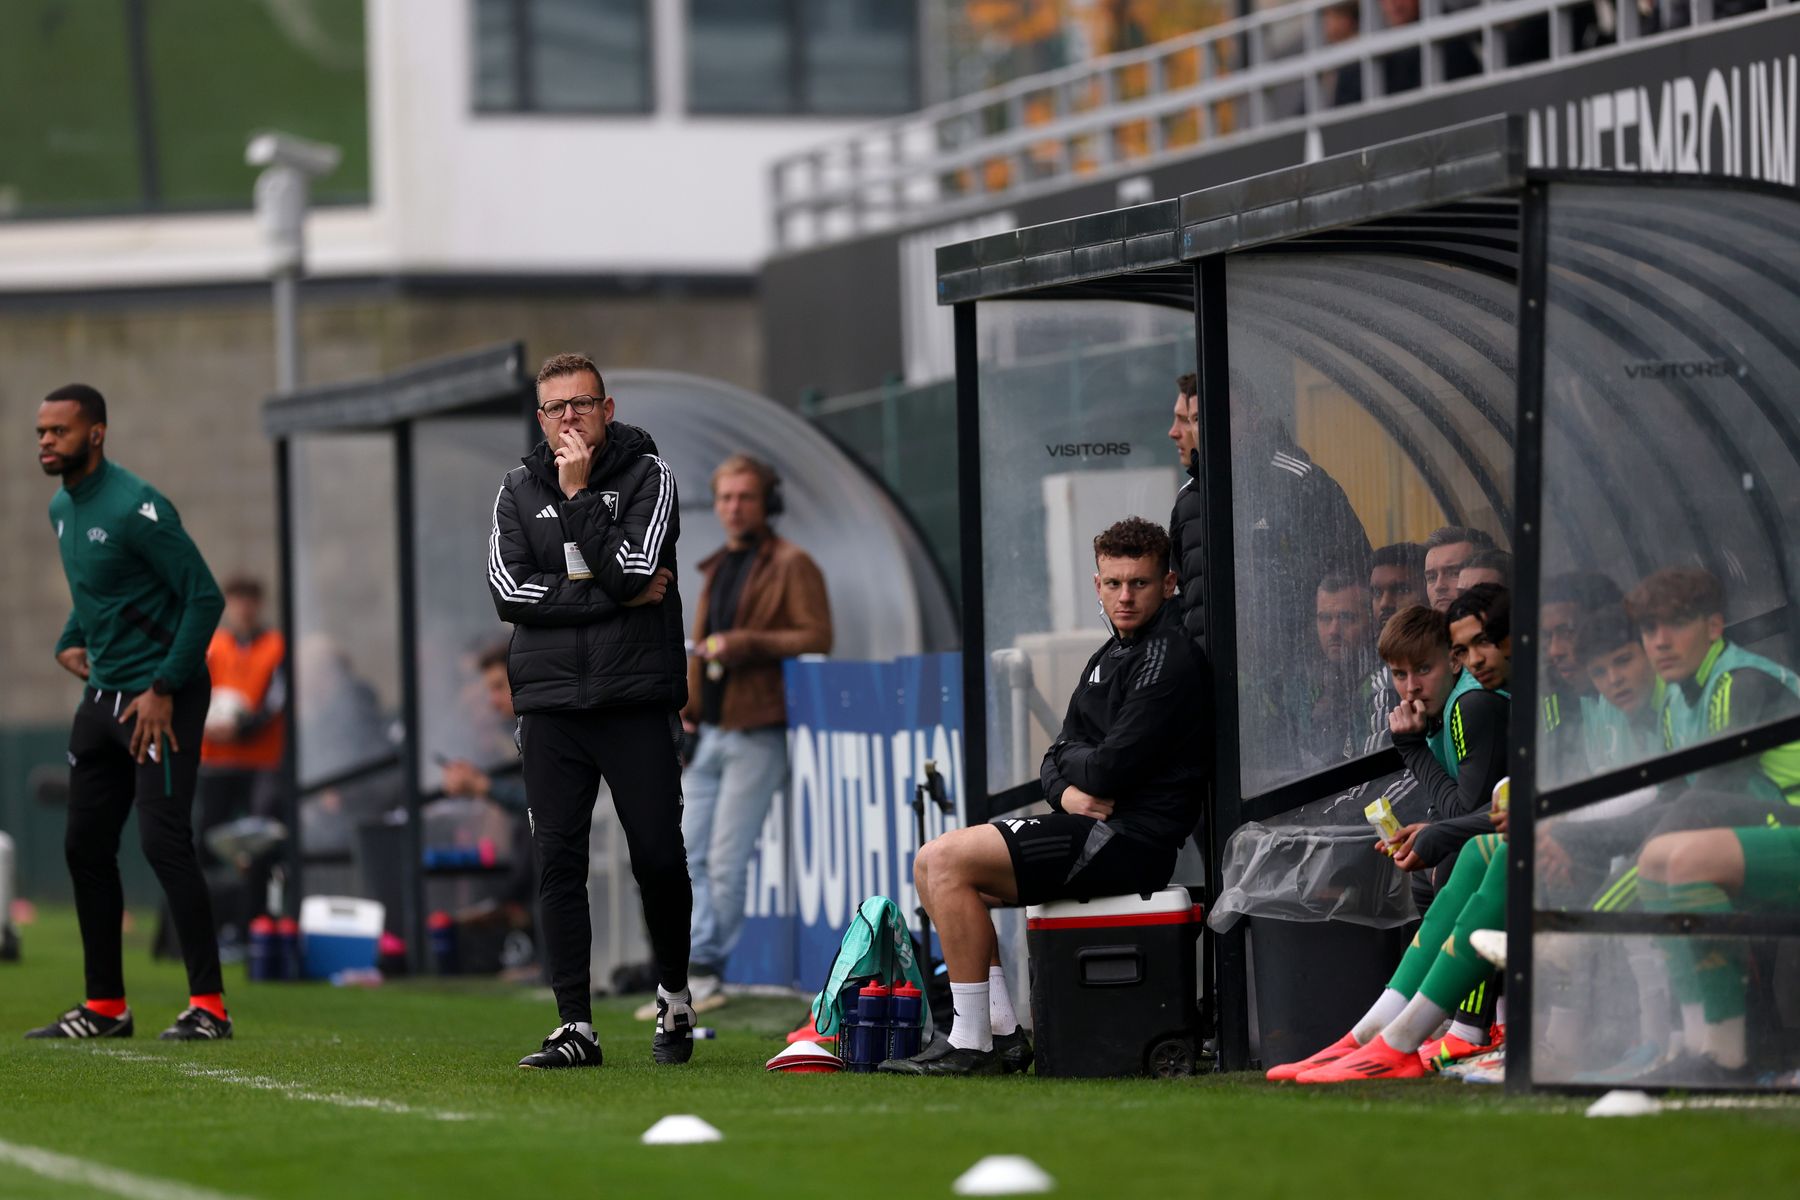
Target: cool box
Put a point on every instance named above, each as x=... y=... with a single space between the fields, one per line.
x=1113 y=984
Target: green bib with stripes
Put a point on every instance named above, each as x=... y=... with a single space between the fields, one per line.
x=1685 y=724
x=1448 y=743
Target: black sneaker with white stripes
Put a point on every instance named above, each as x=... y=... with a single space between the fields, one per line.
x=566 y=1046
x=83 y=1022
x=675 y=1021
x=196 y=1025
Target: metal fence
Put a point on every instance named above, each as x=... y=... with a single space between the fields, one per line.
x=1269 y=72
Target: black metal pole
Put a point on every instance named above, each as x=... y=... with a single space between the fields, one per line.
x=1527 y=543
x=1231 y=992
x=413 y=847
x=292 y=886
x=974 y=628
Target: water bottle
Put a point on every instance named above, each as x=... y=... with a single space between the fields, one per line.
x=903 y=1020
x=442 y=927
x=869 y=1033
x=287 y=949
x=262 y=961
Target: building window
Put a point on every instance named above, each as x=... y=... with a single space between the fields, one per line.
x=825 y=57
x=116 y=107
x=562 y=56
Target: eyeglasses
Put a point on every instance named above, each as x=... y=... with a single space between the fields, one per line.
x=583 y=405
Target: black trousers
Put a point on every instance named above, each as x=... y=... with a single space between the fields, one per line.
x=566 y=755
x=104 y=783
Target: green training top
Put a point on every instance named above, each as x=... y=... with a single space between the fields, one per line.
x=1447 y=743
x=145 y=602
x=1702 y=708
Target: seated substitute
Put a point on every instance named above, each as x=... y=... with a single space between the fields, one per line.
x=1125 y=776
x=1449 y=730
x=1440 y=977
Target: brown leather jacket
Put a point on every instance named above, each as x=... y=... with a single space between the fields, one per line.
x=782 y=613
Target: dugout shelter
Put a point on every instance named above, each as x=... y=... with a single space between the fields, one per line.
x=1599 y=371
x=386 y=487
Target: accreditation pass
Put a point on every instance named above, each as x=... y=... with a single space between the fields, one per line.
x=577 y=565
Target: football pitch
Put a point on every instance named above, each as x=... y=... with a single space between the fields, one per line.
x=410 y=1090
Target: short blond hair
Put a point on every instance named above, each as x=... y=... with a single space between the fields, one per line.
x=744 y=464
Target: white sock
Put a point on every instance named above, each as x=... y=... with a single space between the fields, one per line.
x=1656 y=1007
x=1500 y=1011
x=1387 y=1006
x=584 y=1029
x=1693 y=1028
x=682 y=999
x=1725 y=1042
x=1000 y=1010
x=1409 y=1030
x=1468 y=1031
x=971 y=1030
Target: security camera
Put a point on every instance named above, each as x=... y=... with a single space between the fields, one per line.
x=285 y=150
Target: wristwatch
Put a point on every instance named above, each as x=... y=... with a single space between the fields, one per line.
x=161 y=687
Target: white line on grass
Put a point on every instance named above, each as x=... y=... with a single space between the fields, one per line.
x=65 y=1169
x=293 y=1091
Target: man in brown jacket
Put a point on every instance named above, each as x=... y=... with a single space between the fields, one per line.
x=763 y=600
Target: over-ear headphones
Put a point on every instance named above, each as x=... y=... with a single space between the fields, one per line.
x=773 y=504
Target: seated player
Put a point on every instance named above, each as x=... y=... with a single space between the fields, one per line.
x=1440 y=971
x=1568 y=695
x=1715 y=685
x=1626 y=725
x=1492 y=565
x=1344 y=689
x=1716 y=871
x=1396 y=580
x=1449 y=730
x=1447 y=552
x=1125 y=775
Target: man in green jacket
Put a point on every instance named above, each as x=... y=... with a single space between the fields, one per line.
x=144 y=609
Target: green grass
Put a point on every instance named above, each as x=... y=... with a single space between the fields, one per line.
x=219 y=71
x=437 y=1048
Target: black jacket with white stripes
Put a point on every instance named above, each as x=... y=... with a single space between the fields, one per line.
x=575 y=644
x=1137 y=733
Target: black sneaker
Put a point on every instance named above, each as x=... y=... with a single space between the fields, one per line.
x=1014 y=1050
x=941 y=1058
x=196 y=1025
x=83 y=1022
x=566 y=1046
x=674 y=1040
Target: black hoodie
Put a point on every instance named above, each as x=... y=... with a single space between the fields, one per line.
x=575 y=644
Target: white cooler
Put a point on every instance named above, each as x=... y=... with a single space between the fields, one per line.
x=339 y=933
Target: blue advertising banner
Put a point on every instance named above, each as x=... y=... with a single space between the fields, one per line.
x=859 y=735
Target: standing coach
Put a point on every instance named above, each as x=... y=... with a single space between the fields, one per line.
x=582 y=561
x=145 y=606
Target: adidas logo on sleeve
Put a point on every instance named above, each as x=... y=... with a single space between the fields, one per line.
x=547 y=512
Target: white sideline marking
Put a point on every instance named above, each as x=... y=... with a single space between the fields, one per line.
x=64 y=1169
x=292 y=1091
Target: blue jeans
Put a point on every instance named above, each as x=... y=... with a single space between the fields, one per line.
x=726 y=791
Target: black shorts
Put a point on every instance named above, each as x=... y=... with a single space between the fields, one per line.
x=1060 y=856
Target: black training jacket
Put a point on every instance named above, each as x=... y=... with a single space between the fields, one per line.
x=1187 y=552
x=575 y=645
x=1136 y=733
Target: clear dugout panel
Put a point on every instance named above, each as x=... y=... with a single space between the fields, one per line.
x=457 y=465
x=346 y=605
x=1371 y=405
x=1077 y=399
x=1671 y=524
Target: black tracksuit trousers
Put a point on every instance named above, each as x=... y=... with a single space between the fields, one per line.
x=104 y=782
x=566 y=755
